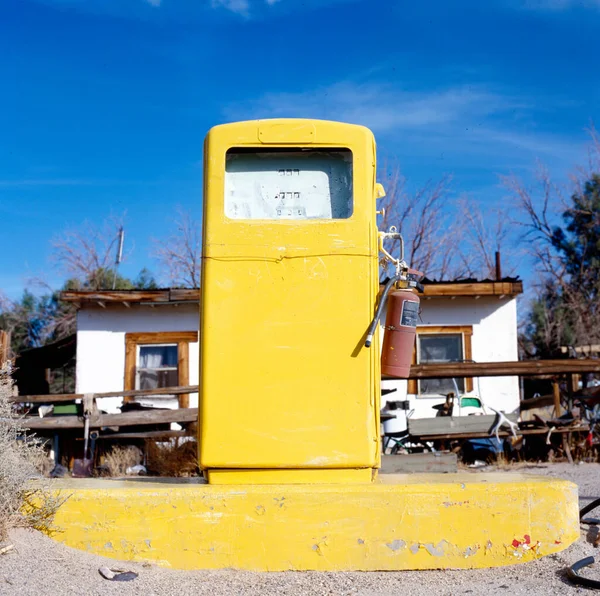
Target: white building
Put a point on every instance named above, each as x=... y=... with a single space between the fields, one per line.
x=137 y=340
x=470 y=321
x=149 y=339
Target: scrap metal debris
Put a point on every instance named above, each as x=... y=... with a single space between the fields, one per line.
x=117 y=575
x=573 y=569
x=502 y=420
x=6 y=549
x=579 y=579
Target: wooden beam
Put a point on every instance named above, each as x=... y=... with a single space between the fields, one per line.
x=160 y=337
x=116 y=296
x=453 y=425
x=183 y=361
x=60 y=397
x=492 y=288
x=503 y=433
x=184 y=295
x=524 y=368
x=151 y=434
x=135 y=418
x=556 y=396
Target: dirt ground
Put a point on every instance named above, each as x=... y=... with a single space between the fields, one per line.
x=40 y=566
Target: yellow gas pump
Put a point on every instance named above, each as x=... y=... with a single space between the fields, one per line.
x=289 y=284
x=289 y=392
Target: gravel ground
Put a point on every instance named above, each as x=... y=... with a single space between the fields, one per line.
x=39 y=566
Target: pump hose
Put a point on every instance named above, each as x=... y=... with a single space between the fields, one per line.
x=382 y=301
x=572 y=571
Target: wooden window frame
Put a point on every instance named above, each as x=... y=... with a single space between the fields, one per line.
x=181 y=338
x=467 y=336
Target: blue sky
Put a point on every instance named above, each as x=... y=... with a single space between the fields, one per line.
x=105 y=103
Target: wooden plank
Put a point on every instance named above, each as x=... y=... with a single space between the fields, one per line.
x=448 y=425
x=417 y=463
x=424 y=329
x=151 y=434
x=130 y=366
x=184 y=295
x=136 y=418
x=536 y=402
x=503 y=433
x=161 y=337
x=183 y=355
x=116 y=296
x=502 y=369
x=556 y=398
x=61 y=397
x=474 y=289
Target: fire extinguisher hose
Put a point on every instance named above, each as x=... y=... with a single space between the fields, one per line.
x=380 y=306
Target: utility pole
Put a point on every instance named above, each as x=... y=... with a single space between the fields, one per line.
x=119 y=255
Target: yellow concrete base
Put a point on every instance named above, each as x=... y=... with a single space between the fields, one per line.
x=308 y=476
x=398 y=522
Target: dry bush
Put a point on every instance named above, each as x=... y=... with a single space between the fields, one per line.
x=174 y=458
x=40 y=460
x=118 y=459
x=23 y=503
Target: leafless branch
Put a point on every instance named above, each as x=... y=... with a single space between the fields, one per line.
x=179 y=254
x=483 y=236
x=421 y=217
x=86 y=253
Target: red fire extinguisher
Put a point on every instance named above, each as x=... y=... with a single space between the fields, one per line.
x=402 y=313
x=400 y=332
x=400 y=323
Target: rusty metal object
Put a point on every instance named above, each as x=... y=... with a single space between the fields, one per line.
x=400 y=332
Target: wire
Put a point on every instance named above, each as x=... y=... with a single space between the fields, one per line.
x=589 y=508
x=580 y=580
x=573 y=569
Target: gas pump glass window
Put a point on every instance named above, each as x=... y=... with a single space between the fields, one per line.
x=288 y=184
x=447 y=347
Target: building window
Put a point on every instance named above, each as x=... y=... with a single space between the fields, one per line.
x=442 y=344
x=157 y=360
x=157 y=366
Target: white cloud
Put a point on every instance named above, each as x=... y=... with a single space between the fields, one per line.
x=558 y=5
x=380 y=107
x=241 y=7
x=271 y=2
x=155 y=3
x=456 y=121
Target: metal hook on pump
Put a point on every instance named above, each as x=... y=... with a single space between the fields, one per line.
x=393 y=234
x=403 y=275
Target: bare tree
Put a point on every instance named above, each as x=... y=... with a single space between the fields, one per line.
x=87 y=254
x=179 y=255
x=560 y=233
x=482 y=236
x=424 y=221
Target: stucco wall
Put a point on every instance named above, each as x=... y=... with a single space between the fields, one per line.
x=494 y=322
x=101 y=344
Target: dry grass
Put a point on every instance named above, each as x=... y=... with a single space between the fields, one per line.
x=118 y=459
x=175 y=458
x=41 y=461
x=22 y=503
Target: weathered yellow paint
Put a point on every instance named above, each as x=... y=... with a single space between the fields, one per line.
x=326 y=476
x=285 y=380
x=398 y=522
